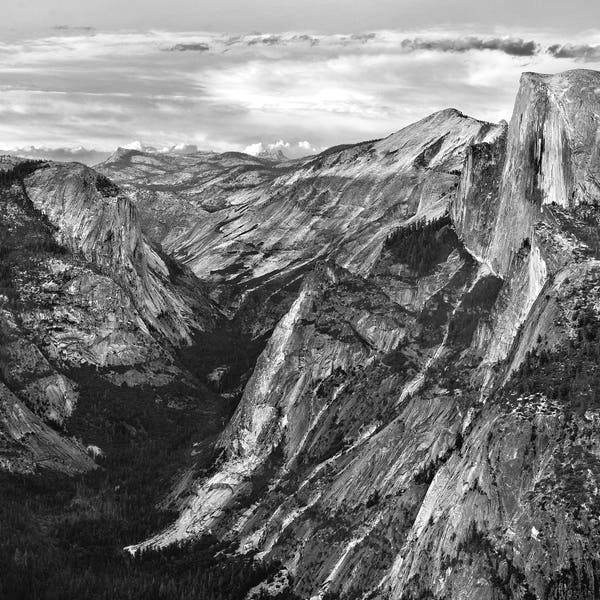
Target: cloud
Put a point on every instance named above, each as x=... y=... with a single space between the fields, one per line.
x=255 y=149
x=295 y=91
x=585 y=52
x=181 y=148
x=178 y=148
x=363 y=37
x=191 y=47
x=139 y=146
x=306 y=147
x=267 y=40
x=510 y=46
x=288 y=149
x=388 y=40
x=77 y=154
x=279 y=145
x=311 y=39
x=76 y=29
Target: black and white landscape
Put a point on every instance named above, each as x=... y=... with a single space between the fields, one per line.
x=365 y=371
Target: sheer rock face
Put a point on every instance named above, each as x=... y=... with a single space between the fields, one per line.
x=95 y=219
x=340 y=204
x=27 y=371
x=423 y=421
x=81 y=287
x=28 y=444
x=270 y=220
x=499 y=518
x=512 y=191
x=475 y=210
x=385 y=444
x=550 y=157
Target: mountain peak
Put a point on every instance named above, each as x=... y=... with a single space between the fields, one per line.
x=121 y=152
x=449 y=113
x=275 y=154
x=572 y=75
x=581 y=83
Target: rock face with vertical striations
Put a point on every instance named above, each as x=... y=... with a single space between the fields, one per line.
x=270 y=223
x=80 y=287
x=340 y=204
x=423 y=421
x=94 y=218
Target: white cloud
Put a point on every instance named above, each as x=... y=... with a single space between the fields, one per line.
x=279 y=145
x=289 y=149
x=307 y=148
x=183 y=148
x=257 y=92
x=77 y=154
x=134 y=146
x=254 y=149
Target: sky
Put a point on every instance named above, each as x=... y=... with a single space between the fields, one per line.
x=78 y=78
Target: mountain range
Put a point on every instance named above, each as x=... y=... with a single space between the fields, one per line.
x=367 y=373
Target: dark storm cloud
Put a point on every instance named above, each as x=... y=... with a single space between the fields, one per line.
x=284 y=40
x=362 y=37
x=192 y=47
x=510 y=46
x=311 y=39
x=69 y=28
x=584 y=52
x=268 y=40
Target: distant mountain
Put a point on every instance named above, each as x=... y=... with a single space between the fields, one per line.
x=275 y=154
x=66 y=154
x=174 y=192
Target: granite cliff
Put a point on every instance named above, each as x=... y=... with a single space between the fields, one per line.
x=82 y=289
x=418 y=415
x=422 y=420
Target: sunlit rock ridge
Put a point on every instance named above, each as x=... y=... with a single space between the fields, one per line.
x=418 y=415
x=394 y=439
